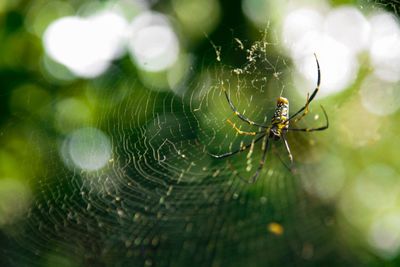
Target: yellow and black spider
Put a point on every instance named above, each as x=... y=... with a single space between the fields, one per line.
x=277 y=129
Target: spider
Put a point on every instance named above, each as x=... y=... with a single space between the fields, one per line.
x=277 y=128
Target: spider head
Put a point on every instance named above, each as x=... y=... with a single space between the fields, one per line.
x=282 y=100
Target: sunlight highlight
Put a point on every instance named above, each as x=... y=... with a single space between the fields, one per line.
x=256 y=10
x=299 y=23
x=338 y=69
x=348 y=26
x=86 y=46
x=338 y=37
x=384 y=235
x=86 y=148
x=385 y=47
x=153 y=44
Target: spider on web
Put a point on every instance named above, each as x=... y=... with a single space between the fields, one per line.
x=277 y=128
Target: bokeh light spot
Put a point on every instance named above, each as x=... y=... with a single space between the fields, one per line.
x=385 y=46
x=383 y=25
x=370 y=203
x=337 y=64
x=377 y=187
x=86 y=45
x=385 y=57
x=380 y=97
x=275 y=228
x=14 y=200
x=384 y=235
x=206 y=19
x=298 y=23
x=41 y=13
x=260 y=12
x=348 y=26
x=153 y=44
x=87 y=148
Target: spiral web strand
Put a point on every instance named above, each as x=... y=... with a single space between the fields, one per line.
x=162 y=200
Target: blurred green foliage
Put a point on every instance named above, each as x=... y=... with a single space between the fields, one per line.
x=141 y=210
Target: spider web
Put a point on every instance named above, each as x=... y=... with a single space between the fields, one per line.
x=390 y=5
x=162 y=200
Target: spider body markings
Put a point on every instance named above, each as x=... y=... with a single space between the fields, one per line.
x=277 y=128
x=279 y=122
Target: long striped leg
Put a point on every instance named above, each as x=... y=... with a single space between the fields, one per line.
x=287 y=148
x=312 y=95
x=240 y=131
x=243 y=148
x=282 y=161
x=326 y=126
x=241 y=116
x=254 y=177
x=306 y=110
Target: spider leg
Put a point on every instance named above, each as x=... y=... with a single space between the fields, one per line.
x=254 y=177
x=241 y=116
x=243 y=148
x=314 y=93
x=240 y=131
x=287 y=148
x=326 y=126
x=282 y=161
x=306 y=110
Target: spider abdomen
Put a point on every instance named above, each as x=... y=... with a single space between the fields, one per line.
x=280 y=119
